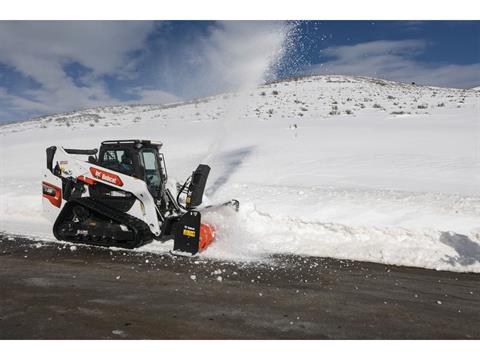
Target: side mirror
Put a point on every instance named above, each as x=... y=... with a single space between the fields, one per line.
x=197 y=186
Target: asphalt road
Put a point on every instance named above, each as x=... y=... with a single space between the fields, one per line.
x=55 y=291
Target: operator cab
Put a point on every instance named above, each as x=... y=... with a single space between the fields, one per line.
x=137 y=158
x=142 y=159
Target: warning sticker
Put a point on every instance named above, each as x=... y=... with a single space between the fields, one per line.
x=189 y=233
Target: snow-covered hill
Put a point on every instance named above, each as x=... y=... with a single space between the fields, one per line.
x=346 y=167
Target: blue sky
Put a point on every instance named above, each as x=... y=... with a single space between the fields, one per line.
x=48 y=67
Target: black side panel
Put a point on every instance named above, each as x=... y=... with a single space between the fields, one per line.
x=187 y=233
x=50 y=154
x=197 y=186
x=100 y=192
x=123 y=204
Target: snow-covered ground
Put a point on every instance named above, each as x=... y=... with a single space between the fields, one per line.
x=345 y=167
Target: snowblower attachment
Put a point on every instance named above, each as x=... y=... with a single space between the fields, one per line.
x=191 y=236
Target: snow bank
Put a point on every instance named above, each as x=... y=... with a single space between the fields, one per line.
x=346 y=167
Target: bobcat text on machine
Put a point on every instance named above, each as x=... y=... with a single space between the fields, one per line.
x=121 y=197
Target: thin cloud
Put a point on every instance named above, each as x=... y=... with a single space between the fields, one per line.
x=41 y=50
x=395 y=60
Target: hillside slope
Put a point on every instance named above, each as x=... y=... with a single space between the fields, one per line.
x=345 y=167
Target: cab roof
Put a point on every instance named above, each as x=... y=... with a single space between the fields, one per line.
x=133 y=142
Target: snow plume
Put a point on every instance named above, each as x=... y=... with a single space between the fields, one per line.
x=240 y=56
x=228 y=56
x=241 y=53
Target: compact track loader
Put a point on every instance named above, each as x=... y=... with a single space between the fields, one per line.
x=121 y=198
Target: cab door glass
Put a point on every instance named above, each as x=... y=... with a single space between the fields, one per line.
x=152 y=170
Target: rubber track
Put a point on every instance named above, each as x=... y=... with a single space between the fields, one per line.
x=142 y=233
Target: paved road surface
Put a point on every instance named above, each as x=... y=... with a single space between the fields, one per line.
x=53 y=291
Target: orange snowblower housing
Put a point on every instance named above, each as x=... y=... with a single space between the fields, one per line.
x=207 y=235
x=121 y=198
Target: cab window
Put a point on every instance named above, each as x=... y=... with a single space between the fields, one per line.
x=118 y=160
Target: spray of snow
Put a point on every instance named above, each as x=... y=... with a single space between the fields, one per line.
x=275 y=46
